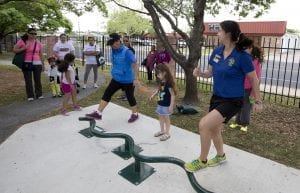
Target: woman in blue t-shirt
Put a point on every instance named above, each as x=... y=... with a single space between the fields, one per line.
x=229 y=64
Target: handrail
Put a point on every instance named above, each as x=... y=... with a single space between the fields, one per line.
x=142 y=158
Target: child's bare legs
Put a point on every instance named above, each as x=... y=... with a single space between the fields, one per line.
x=162 y=123
x=167 y=124
x=66 y=98
x=162 y=126
x=74 y=97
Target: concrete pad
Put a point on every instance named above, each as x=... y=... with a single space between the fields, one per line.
x=50 y=156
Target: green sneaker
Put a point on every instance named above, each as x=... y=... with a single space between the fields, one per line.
x=216 y=160
x=195 y=165
x=234 y=126
x=245 y=129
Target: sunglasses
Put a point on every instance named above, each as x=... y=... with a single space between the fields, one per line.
x=32 y=33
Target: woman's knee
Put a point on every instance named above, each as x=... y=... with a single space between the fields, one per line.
x=203 y=125
x=207 y=124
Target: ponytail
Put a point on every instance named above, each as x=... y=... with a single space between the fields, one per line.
x=243 y=42
x=257 y=53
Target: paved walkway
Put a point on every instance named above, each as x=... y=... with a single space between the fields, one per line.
x=51 y=156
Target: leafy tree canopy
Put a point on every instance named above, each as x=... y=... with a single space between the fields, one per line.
x=45 y=15
x=293 y=31
x=129 y=22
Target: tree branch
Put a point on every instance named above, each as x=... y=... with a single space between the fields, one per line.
x=149 y=5
x=169 y=19
x=131 y=9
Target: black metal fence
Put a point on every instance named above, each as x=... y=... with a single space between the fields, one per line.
x=280 y=69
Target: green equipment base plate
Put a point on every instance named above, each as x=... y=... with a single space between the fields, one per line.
x=124 y=153
x=87 y=132
x=135 y=177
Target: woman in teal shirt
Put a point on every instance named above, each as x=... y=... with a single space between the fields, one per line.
x=124 y=76
x=229 y=64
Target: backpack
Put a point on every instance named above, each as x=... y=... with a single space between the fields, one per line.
x=186 y=109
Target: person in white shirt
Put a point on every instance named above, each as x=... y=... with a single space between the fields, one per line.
x=54 y=77
x=63 y=47
x=90 y=51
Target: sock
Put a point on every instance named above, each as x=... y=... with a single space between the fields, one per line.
x=222 y=155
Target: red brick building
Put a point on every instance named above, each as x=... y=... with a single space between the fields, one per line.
x=254 y=30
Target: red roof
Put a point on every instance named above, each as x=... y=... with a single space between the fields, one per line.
x=263 y=28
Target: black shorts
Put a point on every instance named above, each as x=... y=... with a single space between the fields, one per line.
x=114 y=86
x=227 y=107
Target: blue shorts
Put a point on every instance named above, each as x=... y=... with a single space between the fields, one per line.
x=162 y=110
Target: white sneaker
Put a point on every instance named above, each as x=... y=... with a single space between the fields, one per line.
x=30 y=99
x=95 y=85
x=41 y=97
x=84 y=86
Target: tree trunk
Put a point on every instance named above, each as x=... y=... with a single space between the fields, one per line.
x=1 y=38
x=190 y=95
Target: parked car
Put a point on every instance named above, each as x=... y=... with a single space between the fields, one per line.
x=148 y=42
x=136 y=41
x=181 y=43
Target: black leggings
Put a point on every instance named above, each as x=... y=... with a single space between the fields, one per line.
x=37 y=90
x=149 y=73
x=114 y=86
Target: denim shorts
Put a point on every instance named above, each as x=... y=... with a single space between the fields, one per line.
x=162 y=110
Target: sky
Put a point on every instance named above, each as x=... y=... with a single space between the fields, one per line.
x=282 y=10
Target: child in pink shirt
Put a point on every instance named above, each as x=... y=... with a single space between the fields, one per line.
x=243 y=117
x=68 y=84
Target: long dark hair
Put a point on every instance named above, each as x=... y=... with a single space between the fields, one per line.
x=169 y=78
x=257 y=53
x=25 y=36
x=232 y=27
x=64 y=65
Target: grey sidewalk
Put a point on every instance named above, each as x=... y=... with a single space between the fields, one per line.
x=14 y=115
x=51 y=156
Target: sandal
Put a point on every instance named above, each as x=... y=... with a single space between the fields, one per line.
x=160 y=133
x=64 y=112
x=165 y=137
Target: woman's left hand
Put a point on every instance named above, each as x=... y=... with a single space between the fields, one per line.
x=170 y=109
x=136 y=82
x=257 y=107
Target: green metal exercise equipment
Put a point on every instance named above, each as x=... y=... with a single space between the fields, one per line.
x=139 y=171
